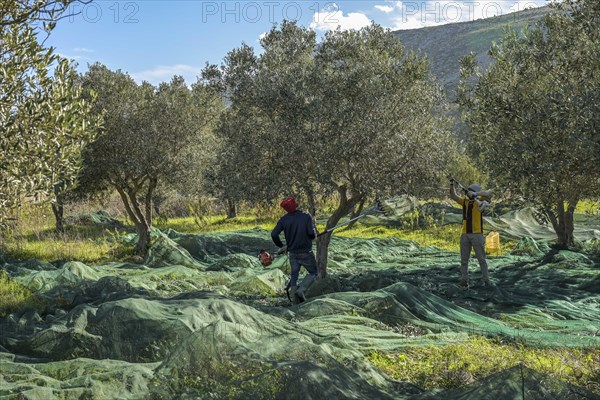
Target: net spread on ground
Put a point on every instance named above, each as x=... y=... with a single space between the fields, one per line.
x=202 y=318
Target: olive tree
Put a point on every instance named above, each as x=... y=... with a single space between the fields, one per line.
x=267 y=116
x=379 y=118
x=236 y=128
x=45 y=122
x=151 y=136
x=350 y=118
x=46 y=12
x=533 y=114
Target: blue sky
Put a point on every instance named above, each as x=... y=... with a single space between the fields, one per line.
x=155 y=39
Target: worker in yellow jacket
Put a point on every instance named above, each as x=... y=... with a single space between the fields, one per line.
x=474 y=202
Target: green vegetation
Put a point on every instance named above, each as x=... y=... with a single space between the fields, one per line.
x=15 y=297
x=71 y=247
x=232 y=379
x=540 y=97
x=347 y=98
x=443 y=237
x=45 y=121
x=226 y=297
x=336 y=124
x=455 y=365
x=153 y=135
x=33 y=236
x=588 y=207
x=217 y=223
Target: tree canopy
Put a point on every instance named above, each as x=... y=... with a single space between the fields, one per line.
x=534 y=114
x=45 y=122
x=152 y=135
x=353 y=116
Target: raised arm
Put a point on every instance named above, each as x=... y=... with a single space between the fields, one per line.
x=453 y=194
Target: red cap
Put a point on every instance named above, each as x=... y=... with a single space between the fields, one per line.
x=289 y=204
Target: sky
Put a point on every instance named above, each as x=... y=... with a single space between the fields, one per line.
x=153 y=40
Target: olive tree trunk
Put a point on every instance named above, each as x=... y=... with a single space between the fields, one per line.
x=356 y=213
x=231 y=208
x=58 y=210
x=345 y=206
x=562 y=220
x=58 y=206
x=312 y=203
x=140 y=214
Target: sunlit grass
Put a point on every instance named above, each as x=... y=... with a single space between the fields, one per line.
x=444 y=238
x=217 y=223
x=588 y=207
x=458 y=364
x=62 y=248
x=35 y=237
x=15 y=297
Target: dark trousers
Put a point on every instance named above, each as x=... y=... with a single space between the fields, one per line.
x=306 y=259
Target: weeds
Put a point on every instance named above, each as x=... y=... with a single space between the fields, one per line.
x=458 y=364
x=15 y=297
x=34 y=236
x=223 y=377
x=588 y=207
x=218 y=223
x=445 y=237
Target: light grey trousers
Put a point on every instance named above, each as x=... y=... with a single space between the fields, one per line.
x=477 y=242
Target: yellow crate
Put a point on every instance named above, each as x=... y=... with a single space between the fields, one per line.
x=492 y=242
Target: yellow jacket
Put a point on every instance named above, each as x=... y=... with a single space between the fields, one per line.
x=472 y=215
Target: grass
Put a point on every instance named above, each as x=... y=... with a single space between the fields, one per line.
x=588 y=207
x=434 y=366
x=63 y=247
x=458 y=364
x=443 y=237
x=15 y=297
x=34 y=236
x=224 y=378
x=446 y=237
x=217 y=223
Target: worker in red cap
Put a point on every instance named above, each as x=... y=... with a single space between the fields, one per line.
x=299 y=231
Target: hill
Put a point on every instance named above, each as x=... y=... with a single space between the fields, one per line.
x=445 y=45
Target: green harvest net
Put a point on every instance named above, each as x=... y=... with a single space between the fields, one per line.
x=201 y=318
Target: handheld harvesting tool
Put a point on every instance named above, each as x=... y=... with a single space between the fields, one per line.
x=266 y=259
x=460 y=185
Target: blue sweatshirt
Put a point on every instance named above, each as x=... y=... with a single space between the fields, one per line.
x=299 y=231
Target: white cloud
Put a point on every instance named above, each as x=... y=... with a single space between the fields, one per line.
x=164 y=73
x=326 y=20
x=262 y=35
x=82 y=50
x=385 y=9
x=72 y=57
